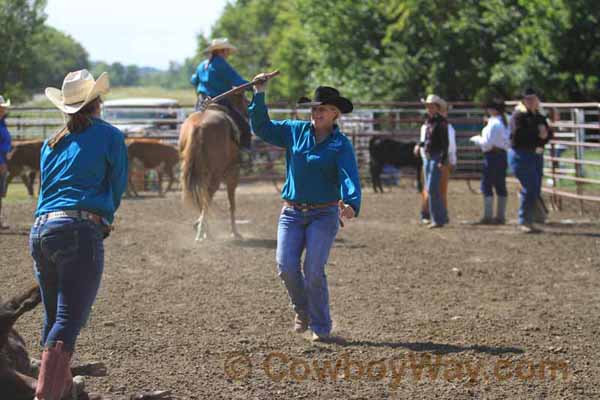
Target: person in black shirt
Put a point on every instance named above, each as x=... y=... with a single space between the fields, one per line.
x=435 y=152
x=529 y=134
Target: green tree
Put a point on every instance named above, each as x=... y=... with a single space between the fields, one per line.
x=20 y=20
x=53 y=55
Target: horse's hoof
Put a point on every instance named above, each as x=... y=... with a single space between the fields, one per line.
x=202 y=238
x=237 y=236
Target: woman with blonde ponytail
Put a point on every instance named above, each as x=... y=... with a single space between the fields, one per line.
x=83 y=176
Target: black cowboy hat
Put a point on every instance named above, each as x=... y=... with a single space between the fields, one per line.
x=496 y=104
x=529 y=91
x=325 y=95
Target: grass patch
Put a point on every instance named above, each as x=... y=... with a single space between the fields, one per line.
x=186 y=97
x=590 y=171
x=17 y=193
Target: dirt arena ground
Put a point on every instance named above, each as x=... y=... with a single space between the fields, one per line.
x=459 y=313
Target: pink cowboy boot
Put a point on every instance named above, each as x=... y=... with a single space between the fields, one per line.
x=55 y=374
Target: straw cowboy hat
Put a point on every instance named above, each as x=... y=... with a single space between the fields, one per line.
x=327 y=95
x=4 y=103
x=435 y=99
x=220 y=44
x=78 y=89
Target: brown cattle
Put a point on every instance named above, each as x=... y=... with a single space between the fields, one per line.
x=17 y=375
x=24 y=161
x=154 y=155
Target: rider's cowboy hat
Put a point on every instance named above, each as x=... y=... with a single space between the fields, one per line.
x=4 y=103
x=78 y=89
x=220 y=44
x=325 y=95
x=435 y=99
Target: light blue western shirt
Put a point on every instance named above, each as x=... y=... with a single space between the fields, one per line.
x=85 y=171
x=315 y=172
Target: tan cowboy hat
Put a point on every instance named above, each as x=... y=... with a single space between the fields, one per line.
x=435 y=99
x=4 y=103
x=78 y=89
x=220 y=44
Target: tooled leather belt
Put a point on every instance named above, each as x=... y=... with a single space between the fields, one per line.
x=309 y=206
x=79 y=214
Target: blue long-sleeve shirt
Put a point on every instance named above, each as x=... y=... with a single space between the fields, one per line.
x=85 y=171
x=215 y=77
x=315 y=172
x=5 y=141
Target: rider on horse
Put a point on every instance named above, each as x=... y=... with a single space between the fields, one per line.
x=215 y=76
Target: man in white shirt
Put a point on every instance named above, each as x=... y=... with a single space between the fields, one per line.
x=494 y=142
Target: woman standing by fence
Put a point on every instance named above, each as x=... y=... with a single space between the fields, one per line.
x=529 y=134
x=322 y=185
x=434 y=147
x=83 y=176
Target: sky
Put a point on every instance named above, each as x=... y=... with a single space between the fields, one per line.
x=146 y=33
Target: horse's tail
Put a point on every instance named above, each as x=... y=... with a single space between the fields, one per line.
x=192 y=160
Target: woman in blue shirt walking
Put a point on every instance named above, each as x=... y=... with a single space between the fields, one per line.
x=215 y=76
x=5 y=147
x=83 y=176
x=322 y=184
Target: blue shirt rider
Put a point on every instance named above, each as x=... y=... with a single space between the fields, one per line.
x=215 y=76
x=5 y=147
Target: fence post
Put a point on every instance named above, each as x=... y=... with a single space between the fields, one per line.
x=579 y=115
x=554 y=200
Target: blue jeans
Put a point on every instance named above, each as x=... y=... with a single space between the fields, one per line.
x=315 y=231
x=526 y=166
x=68 y=257
x=494 y=174
x=433 y=175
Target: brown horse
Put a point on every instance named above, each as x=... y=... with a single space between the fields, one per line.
x=210 y=155
x=17 y=372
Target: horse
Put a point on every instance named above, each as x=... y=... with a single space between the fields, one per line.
x=210 y=155
x=154 y=155
x=17 y=371
x=24 y=160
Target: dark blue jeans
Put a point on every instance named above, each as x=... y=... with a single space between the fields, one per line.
x=526 y=166
x=433 y=175
x=494 y=174
x=68 y=257
x=315 y=231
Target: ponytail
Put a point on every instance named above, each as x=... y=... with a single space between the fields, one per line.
x=76 y=123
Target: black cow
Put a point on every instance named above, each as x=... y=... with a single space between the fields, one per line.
x=399 y=154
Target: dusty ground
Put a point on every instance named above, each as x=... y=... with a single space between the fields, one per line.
x=212 y=320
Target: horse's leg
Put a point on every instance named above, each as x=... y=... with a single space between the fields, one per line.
x=27 y=183
x=171 y=178
x=31 y=181
x=232 y=182
x=203 y=231
x=160 y=179
x=129 y=185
